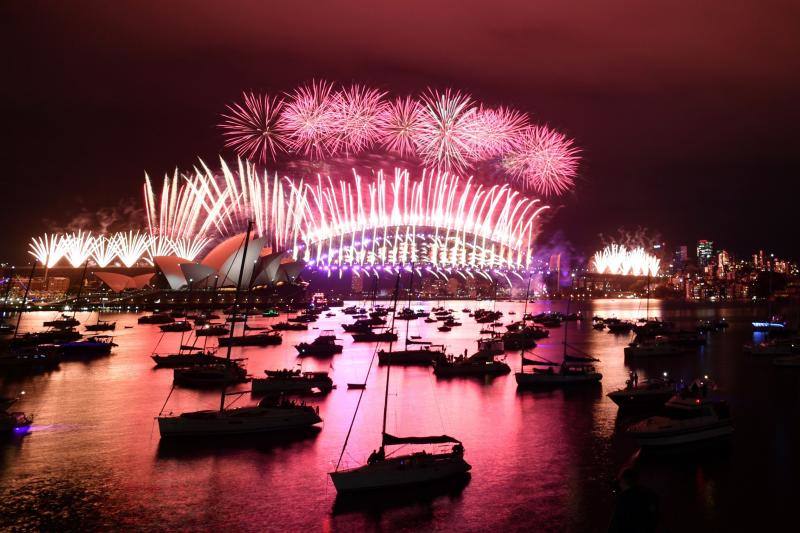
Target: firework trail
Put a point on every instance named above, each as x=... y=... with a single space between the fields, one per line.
x=190 y=247
x=105 y=250
x=47 y=249
x=356 y=119
x=252 y=128
x=310 y=119
x=78 y=247
x=400 y=124
x=132 y=246
x=439 y=220
x=544 y=161
x=159 y=246
x=446 y=137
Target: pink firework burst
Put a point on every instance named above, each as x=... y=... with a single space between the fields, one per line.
x=446 y=133
x=495 y=131
x=309 y=119
x=544 y=161
x=400 y=123
x=252 y=127
x=356 y=111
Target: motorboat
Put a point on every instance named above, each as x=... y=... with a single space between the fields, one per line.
x=292 y=381
x=660 y=346
x=64 y=322
x=15 y=423
x=649 y=393
x=176 y=327
x=323 y=346
x=619 y=327
x=214 y=375
x=491 y=346
x=95 y=346
x=212 y=330
x=523 y=338
x=265 y=418
x=288 y=326
x=420 y=356
x=444 y=328
x=474 y=365
x=266 y=338
x=32 y=359
x=781 y=346
x=375 y=336
x=156 y=318
x=179 y=360
x=101 y=325
x=687 y=418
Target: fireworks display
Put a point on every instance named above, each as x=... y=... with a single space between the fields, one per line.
x=443 y=130
x=543 y=161
x=252 y=127
x=619 y=260
x=438 y=218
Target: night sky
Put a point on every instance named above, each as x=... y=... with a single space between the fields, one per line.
x=687 y=115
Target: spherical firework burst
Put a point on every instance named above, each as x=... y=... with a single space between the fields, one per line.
x=495 y=130
x=400 y=124
x=543 y=160
x=356 y=112
x=445 y=140
x=310 y=118
x=252 y=128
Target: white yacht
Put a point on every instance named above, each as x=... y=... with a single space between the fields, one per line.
x=688 y=418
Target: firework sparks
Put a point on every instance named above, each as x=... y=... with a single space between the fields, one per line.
x=439 y=220
x=47 y=249
x=190 y=247
x=494 y=131
x=132 y=246
x=357 y=111
x=544 y=161
x=105 y=250
x=619 y=260
x=78 y=247
x=159 y=246
x=310 y=118
x=252 y=128
x=400 y=123
x=446 y=135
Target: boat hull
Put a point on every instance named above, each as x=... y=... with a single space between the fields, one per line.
x=525 y=379
x=667 y=439
x=396 y=474
x=256 y=421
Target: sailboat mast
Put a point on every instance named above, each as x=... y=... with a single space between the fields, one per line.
x=566 y=323
x=24 y=299
x=80 y=289
x=524 y=314
x=236 y=304
x=389 y=365
x=410 y=287
x=647 y=308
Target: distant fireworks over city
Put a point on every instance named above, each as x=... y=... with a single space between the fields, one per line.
x=467 y=199
x=619 y=260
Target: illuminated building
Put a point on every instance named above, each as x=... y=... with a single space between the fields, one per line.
x=705 y=251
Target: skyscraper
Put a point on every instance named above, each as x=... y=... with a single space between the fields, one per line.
x=705 y=251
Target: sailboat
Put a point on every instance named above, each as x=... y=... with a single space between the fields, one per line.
x=424 y=355
x=268 y=416
x=574 y=370
x=382 y=471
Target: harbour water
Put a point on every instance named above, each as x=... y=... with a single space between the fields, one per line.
x=541 y=461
